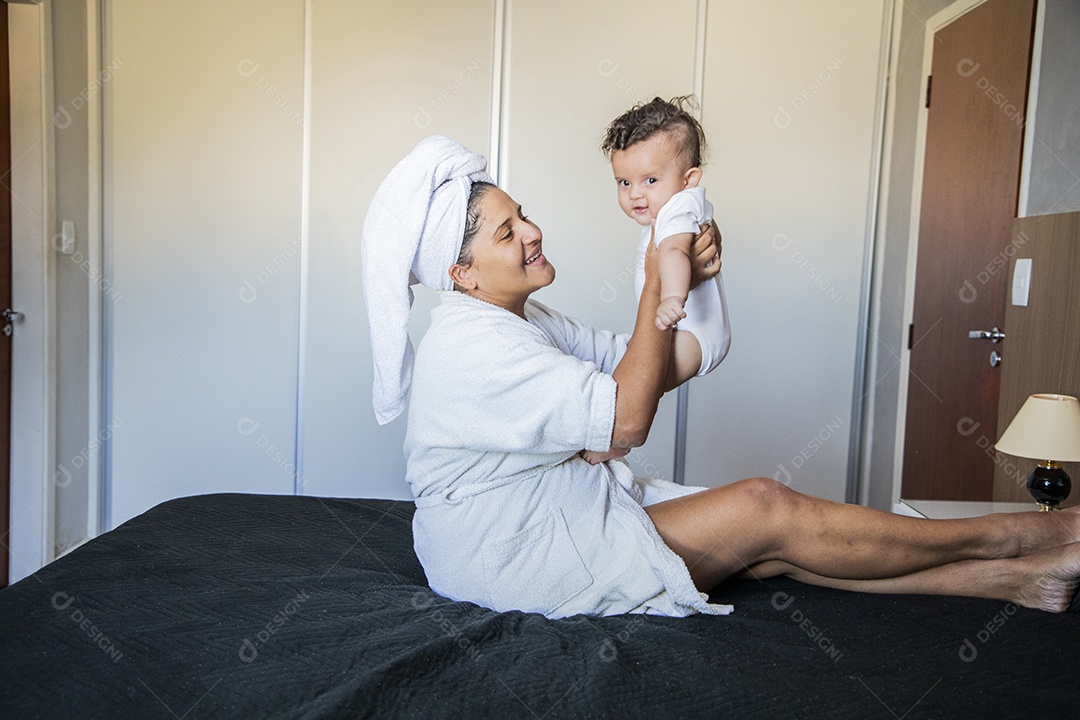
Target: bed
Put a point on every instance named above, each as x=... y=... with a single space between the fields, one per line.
x=250 y=606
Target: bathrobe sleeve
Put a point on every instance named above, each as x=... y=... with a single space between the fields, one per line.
x=602 y=347
x=556 y=403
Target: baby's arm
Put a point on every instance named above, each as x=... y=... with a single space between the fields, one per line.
x=674 y=265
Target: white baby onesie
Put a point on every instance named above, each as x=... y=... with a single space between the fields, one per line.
x=706 y=306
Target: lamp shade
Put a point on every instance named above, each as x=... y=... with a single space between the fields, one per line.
x=1046 y=428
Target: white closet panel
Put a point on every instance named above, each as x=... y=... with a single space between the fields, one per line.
x=573 y=68
x=203 y=157
x=790 y=114
x=384 y=76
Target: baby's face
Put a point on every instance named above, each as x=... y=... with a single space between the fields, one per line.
x=648 y=173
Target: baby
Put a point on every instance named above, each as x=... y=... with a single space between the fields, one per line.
x=655 y=151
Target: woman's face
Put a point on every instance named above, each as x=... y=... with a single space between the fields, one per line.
x=507 y=263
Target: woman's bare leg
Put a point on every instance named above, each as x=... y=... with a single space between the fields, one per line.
x=1046 y=580
x=722 y=531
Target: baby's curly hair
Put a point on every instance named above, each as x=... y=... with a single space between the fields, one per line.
x=644 y=120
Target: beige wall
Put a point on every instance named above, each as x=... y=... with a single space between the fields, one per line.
x=74 y=455
x=204 y=176
x=224 y=147
x=1055 y=145
x=794 y=119
x=374 y=95
x=612 y=77
x=784 y=396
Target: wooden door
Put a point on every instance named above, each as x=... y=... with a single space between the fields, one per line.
x=974 y=138
x=5 y=296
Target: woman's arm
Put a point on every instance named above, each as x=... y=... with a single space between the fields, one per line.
x=641 y=373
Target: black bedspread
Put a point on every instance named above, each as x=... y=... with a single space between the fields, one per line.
x=245 y=606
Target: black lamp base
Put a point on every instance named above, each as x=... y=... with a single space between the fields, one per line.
x=1049 y=485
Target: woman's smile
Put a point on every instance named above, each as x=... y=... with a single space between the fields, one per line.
x=537 y=258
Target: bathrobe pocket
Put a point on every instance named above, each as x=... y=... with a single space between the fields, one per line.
x=537 y=569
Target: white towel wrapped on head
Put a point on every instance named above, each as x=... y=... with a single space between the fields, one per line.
x=412 y=233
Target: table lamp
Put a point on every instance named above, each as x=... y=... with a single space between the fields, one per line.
x=1047 y=429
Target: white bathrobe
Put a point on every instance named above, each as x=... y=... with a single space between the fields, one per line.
x=507 y=515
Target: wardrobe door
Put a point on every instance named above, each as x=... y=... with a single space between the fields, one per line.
x=383 y=77
x=792 y=118
x=202 y=212
x=573 y=67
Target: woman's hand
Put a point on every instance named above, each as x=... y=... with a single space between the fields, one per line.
x=705 y=255
x=592 y=457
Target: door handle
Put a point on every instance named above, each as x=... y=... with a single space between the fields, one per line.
x=993 y=335
x=10 y=317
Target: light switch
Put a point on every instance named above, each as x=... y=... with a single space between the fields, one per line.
x=1021 y=281
x=67 y=237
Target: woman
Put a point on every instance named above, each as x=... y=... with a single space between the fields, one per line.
x=507 y=393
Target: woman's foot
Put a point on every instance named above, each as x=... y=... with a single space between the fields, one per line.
x=1037 y=531
x=1070 y=521
x=1053 y=576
